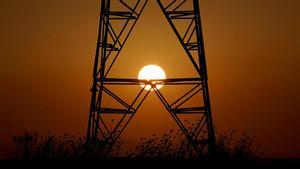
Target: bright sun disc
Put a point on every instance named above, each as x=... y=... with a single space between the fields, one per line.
x=151 y=72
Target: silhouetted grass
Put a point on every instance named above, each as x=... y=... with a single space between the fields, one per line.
x=31 y=145
x=166 y=147
x=172 y=146
x=234 y=147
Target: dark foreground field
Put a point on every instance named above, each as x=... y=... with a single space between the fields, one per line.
x=154 y=163
x=32 y=148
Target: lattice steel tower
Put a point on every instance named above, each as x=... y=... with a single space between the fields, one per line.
x=110 y=43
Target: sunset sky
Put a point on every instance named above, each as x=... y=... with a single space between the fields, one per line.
x=252 y=50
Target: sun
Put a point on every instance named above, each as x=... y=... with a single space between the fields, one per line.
x=151 y=72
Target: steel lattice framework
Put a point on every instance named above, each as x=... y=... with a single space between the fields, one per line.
x=110 y=44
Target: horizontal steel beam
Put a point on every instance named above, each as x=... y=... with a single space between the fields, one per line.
x=181 y=14
x=114 y=111
x=190 y=110
x=125 y=81
x=121 y=15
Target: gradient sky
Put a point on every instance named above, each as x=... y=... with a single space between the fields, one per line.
x=252 y=49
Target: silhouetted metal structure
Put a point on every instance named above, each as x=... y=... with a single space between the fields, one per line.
x=109 y=45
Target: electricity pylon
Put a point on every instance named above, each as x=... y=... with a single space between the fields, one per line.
x=110 y=43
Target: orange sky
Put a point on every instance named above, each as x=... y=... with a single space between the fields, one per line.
x=252 y=49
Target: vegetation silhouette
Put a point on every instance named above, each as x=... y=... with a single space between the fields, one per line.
x=171 y=146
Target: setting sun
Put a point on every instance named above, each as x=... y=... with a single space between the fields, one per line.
x=151 y=72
